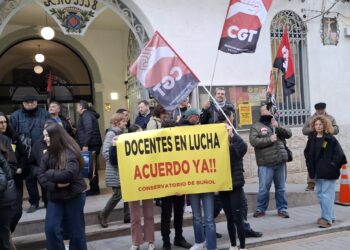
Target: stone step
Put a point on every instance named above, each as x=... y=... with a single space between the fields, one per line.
x=34 y=223
x=30 y=231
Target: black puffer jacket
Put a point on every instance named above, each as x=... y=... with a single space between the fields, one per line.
x=268 y=153
x=49 y=176
x=88 y=131
x=8 y=192
x=330 y=158
x=238 y=148
x=22 y=161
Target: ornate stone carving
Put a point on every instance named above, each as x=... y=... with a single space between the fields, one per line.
x=130 y=18
x=7 y=8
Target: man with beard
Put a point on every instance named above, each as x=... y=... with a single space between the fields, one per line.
x=268 y=137
x=210 y=110
x=28 y=122
x=144 y=115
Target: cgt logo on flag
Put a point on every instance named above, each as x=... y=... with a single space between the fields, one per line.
x=159 y=69
x=242 y=26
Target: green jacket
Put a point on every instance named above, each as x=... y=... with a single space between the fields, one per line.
x=268 y=153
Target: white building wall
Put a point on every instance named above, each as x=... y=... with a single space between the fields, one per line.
x=193 y=28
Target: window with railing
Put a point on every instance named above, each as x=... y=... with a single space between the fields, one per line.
x=293 y=109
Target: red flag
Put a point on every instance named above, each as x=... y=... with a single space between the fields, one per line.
x=284 y=62
x=161 y=70
x=49 y=84
x=242 y=27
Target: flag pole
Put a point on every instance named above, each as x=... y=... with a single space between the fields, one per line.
x=213 y=74
x=217 y=105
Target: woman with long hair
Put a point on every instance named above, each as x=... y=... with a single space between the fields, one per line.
x=59 y=174
x=8 y=193
x=17 y=146
x=324 y=158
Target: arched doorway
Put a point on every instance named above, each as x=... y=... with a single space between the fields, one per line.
x=29 y=13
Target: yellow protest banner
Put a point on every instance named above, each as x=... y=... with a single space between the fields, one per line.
x=179 y=160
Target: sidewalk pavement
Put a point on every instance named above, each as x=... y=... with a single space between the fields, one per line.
x=302 y=224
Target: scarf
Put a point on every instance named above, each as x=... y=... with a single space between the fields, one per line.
x=266 y=119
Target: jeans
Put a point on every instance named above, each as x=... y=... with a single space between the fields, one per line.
x=326 y=194
x=278 y=175
x=209 y=235
x=67 y=215
x=168 y=203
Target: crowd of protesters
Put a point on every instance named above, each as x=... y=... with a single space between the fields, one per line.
x=42 y=147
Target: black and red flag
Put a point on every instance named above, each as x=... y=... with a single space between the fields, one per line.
x=242 y=27
x=161 y=70
x=49 y=88
x=284 y=62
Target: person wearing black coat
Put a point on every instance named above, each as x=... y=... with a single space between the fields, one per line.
x=324 y=158
x=211 y=112
x=28 y=123
x=89 y=138
x=144 y=114
x=21 y=171
x=59 y=174
x=233 y=202
x=8 y=193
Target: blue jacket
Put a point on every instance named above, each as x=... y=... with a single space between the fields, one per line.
x=30 y=123
x=142 y=121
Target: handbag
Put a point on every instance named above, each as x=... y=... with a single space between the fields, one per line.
x=289 y=152
x=89 y=166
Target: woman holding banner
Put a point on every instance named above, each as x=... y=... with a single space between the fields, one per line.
x=233 y=200
x=139 y=234
x=205 y=201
